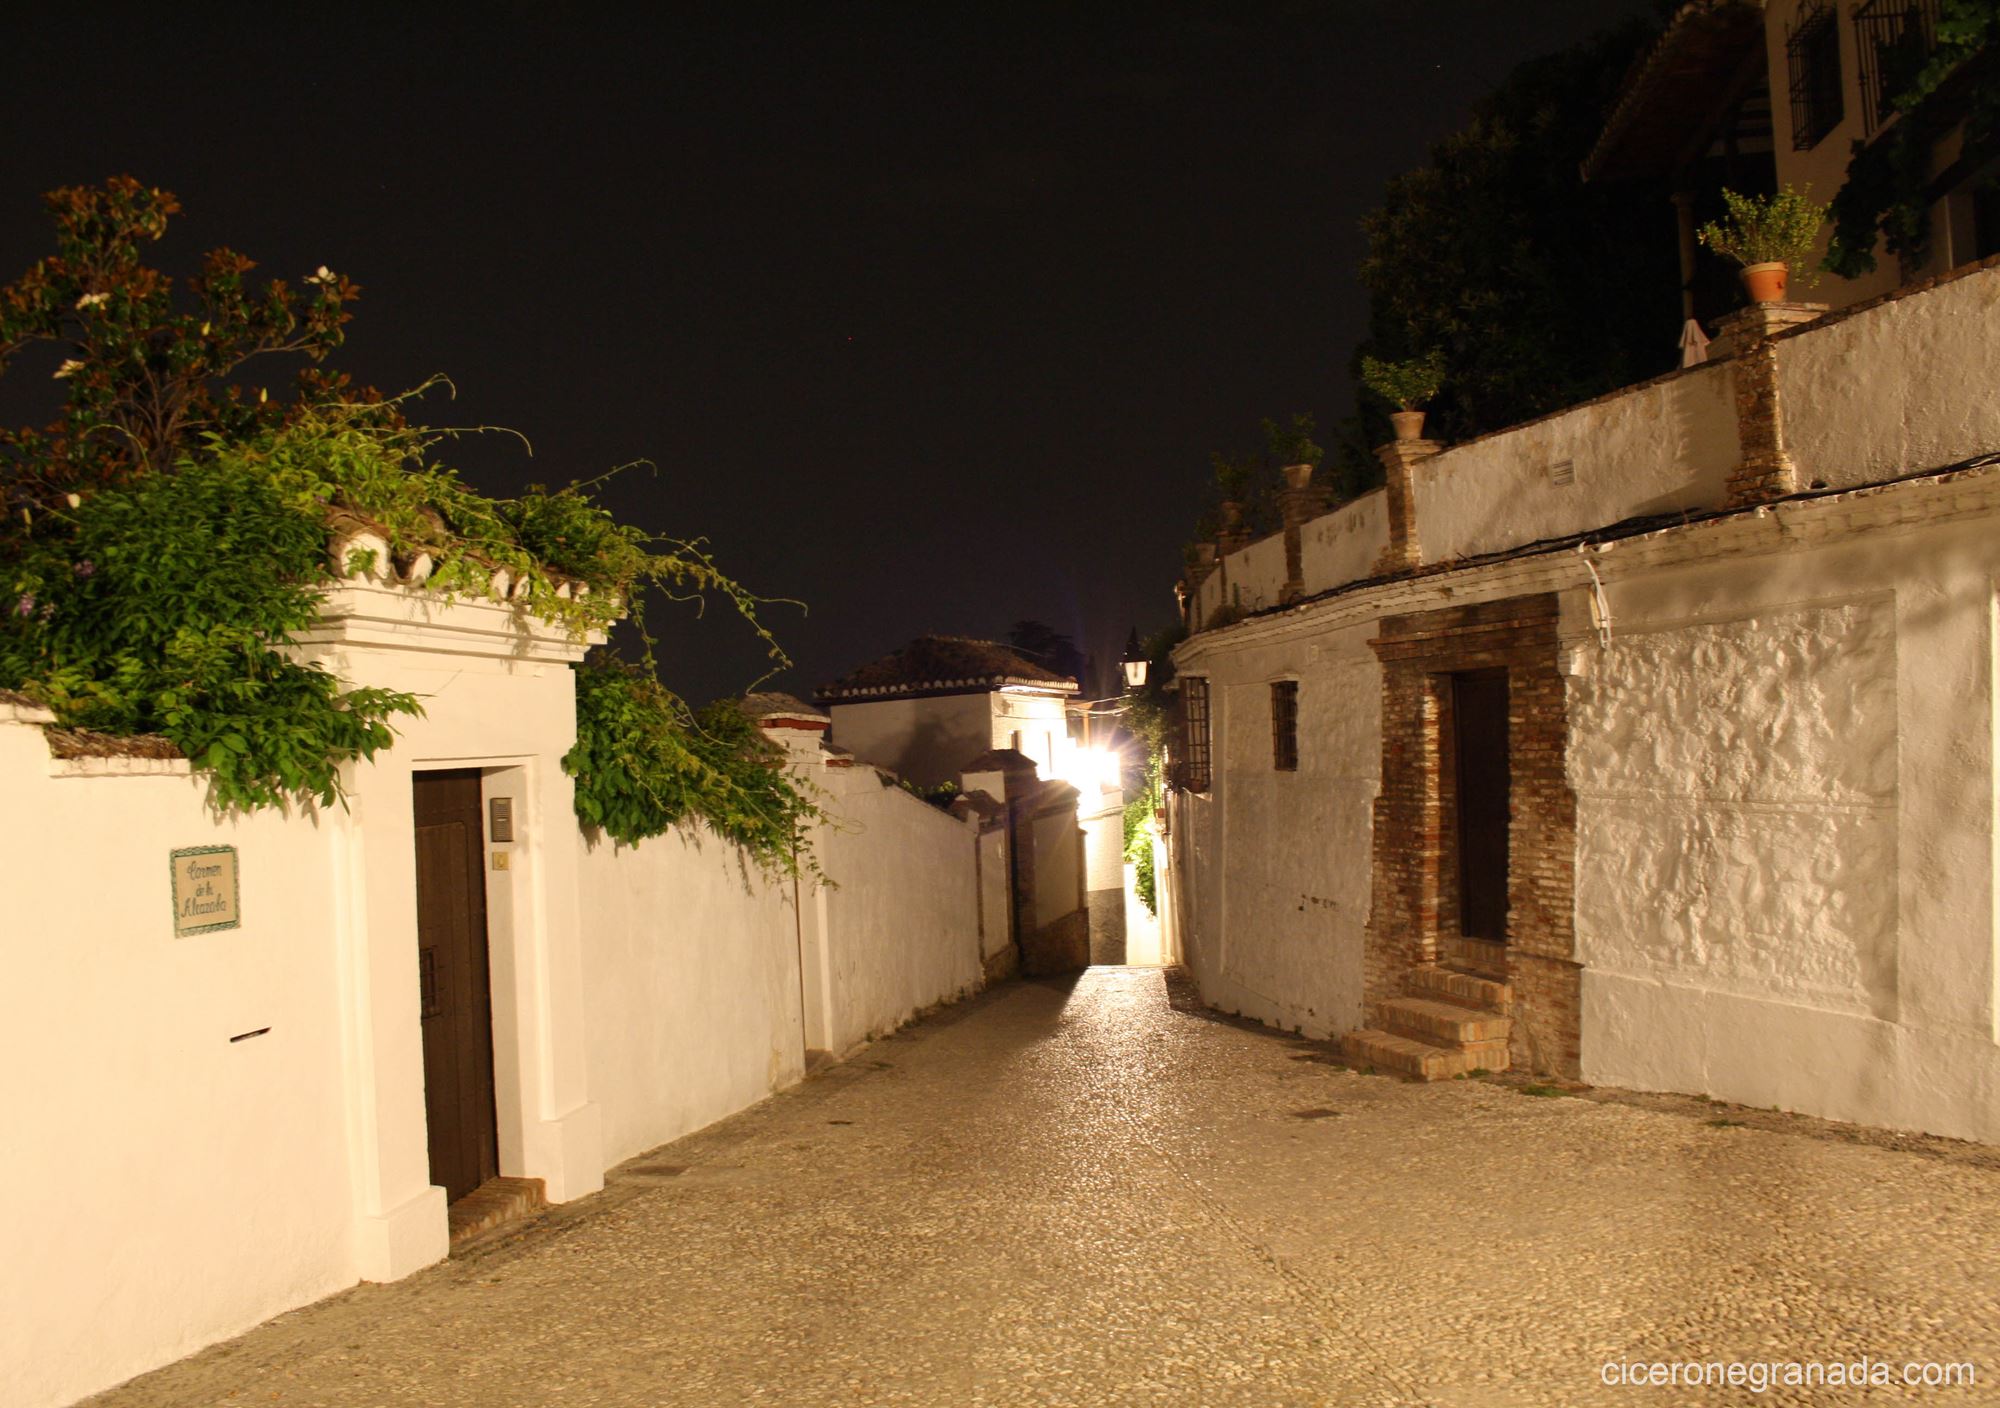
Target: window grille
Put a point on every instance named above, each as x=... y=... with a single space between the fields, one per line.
x=1812 y=52
x=1285 y=725
x=1194 y=730
x=1895 y=39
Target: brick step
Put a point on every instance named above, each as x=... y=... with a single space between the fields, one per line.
x=1387 y=1051
x=1438 y=984
x=496 y=1203
x=1483 y=957
x=1449 y=1022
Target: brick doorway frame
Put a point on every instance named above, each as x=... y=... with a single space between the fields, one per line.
x=1413 y=916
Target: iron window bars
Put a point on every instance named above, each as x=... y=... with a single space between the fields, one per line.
x=1812 y=53
x=1194 y=731
x=1894 y=39
x=1285 y=725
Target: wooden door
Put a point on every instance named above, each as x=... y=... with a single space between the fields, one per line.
x=456 y=982
x=1484 y=778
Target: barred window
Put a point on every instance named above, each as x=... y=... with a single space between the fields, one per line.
x=1285 y=725
x=1894 y=39
x=1812 y=52
x=1194 y=730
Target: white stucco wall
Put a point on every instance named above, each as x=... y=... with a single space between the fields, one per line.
x=168 y=1187
x=1256 y=575
x=903 y=915
x=1277 y=935
x=929 y=741
x=1904 y=386
x=1040 y=719
x=693 y=986
x=1784 y=776
x=1343 y=546
x=1666 y=445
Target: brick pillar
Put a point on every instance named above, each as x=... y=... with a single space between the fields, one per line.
x=1299 y=502
x=1766 y=470
x=1198 y=571
x=1399 y=458
x=1234 y=536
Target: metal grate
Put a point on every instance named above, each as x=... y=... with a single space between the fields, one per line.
x=1895 y=39
x=1194 y=731
x=1812 y=53
x=1285 y=725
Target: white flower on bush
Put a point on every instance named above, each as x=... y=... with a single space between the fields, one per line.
x=70 y=367
x=323 y=276
x=92 y=300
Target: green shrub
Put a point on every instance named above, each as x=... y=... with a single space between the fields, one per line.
x=1777 y=229
x=1407 y=385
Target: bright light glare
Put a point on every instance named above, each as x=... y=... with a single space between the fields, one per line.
x=1091 y=769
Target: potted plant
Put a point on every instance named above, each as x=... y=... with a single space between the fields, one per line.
x=1293 y=448
x=1232 y=479
x=1768 y=236
x=1405 y=385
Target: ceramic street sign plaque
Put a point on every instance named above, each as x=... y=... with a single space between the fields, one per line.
x=204 y=890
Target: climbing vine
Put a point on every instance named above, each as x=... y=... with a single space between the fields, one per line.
x=168 y=536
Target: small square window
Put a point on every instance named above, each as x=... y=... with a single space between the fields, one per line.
x=1285 y=725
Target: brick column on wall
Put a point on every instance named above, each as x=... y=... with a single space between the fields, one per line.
x=1413 y=907
x=1299 y=502
x=1399 y=458
x=1765 y=471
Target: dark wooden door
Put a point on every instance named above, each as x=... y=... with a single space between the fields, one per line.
x=457 y=983
x=1479 y=722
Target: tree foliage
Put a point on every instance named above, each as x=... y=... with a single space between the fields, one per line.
x=1889 y=189
x=168 y=537
x=1537 y=290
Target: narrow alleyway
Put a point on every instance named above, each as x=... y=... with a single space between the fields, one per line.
x=1082 y=1195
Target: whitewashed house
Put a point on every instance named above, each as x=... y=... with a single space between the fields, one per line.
x=1652 y=742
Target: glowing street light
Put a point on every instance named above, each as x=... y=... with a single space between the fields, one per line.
x=1134 y=662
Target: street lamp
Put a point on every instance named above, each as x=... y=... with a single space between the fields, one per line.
x=1134 y=662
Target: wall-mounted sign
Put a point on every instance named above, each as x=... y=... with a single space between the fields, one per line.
x=205 y=890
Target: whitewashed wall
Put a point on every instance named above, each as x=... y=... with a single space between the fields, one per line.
x=1344 y=546
x=1276 y=934
x=902 y=920
x=1665 y=445
x=926 y=740
x=1932 y=362
x=637 y=994
x=167 y=1186
x=1786 y=840
x=691 y=960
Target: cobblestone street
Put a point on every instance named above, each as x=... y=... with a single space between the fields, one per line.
x=1089 y=1194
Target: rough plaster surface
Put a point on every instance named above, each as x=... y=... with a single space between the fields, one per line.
x=1932 y=361
x=1741 y=775
x=1076 y=1194
x=1281 y=938
x=1652 y=449
x=1343 y=546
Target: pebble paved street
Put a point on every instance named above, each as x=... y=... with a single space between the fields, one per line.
x=1089 y=1194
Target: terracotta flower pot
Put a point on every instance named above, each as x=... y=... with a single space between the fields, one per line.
x=1409 y=424
x=1297 y=476
x=1765 y=282
x=1232 y=513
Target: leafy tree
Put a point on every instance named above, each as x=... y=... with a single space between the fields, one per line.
x=1889 y=188
x=1049 y=648
x=149 y=367
x=168 y=535
x=1536 y=290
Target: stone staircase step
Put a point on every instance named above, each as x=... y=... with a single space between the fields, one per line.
x=1481 y=956
x=1439 y=984
x=1450 y=1022
x=494 y=1204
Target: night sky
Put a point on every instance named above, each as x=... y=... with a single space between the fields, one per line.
x=929 y=322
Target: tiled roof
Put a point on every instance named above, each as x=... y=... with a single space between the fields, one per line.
x=1707 y=47
x=944 y=665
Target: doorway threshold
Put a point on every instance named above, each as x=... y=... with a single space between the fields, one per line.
x=495 y=1206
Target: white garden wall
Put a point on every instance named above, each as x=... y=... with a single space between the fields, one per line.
x=174 y=1186
x=167 y=1186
